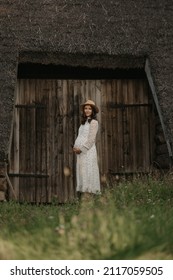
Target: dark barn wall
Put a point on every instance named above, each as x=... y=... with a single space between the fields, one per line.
x=101 y=33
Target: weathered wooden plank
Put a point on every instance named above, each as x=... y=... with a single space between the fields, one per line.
x=45 y=125
x=119 y=129
x=16 y=144
x=37 y=142
x=45 y=86
x=50 y=141
x=86 y=93
x=109 y=124
x=63 y=187
x=76 y=125
x=22 y=146
x=112 y=124
x=26 y=185
x=60 y=139
x=51 y=123
x=98 y=102
x=69 y=170
x=104 y=129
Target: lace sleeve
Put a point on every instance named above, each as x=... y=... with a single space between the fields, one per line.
x=91 y=136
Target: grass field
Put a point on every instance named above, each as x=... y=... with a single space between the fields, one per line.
x=132 y=220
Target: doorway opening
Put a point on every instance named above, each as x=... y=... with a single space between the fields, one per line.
x=47 y=117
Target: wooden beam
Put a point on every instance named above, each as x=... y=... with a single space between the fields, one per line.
x=28 y=175
x=153 y=90
x=10 y=185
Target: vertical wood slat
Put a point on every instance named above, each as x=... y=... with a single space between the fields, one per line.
x=109 y=123
x=98 y=101
x=125 y=127
x=22 y=150
x=129 y=149
x=65 y=138
x=119 y=132
x=26 y=183
x=50 y=141
x=32 y=147
x=37 y=144
x=59 y=140
x=104 y=129
x=39 y=160
x=15 y=181
x=71 y=175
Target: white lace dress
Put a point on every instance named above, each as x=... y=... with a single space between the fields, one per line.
x=87 y=171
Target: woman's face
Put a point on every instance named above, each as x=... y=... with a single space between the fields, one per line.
x=88 y=110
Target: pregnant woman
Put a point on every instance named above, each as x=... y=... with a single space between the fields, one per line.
x=87 y=171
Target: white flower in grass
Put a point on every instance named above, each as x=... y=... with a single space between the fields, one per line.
x=60 y=229
x=152 y=217
x=51 y=217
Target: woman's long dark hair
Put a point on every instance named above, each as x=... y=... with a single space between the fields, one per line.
x=84 y=117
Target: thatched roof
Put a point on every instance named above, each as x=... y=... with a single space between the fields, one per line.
x=92 y=33
x=93 y=26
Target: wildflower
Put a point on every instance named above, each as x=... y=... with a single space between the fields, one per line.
x=51 y=217
x=60 y=229
x=152 y=217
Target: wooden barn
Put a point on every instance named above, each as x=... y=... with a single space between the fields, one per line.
x=57 y=54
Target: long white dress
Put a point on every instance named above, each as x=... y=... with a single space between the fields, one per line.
x=87 y=171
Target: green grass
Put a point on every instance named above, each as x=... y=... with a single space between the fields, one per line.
x=132 y=220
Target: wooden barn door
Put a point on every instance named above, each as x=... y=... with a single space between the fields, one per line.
x=127 y=126
x=46 y=122
x=29 y=169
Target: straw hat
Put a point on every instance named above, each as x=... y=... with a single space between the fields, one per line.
x=92 y=104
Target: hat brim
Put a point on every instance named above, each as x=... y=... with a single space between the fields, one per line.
x=93 y=106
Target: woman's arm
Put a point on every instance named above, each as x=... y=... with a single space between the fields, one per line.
x=91 y=137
